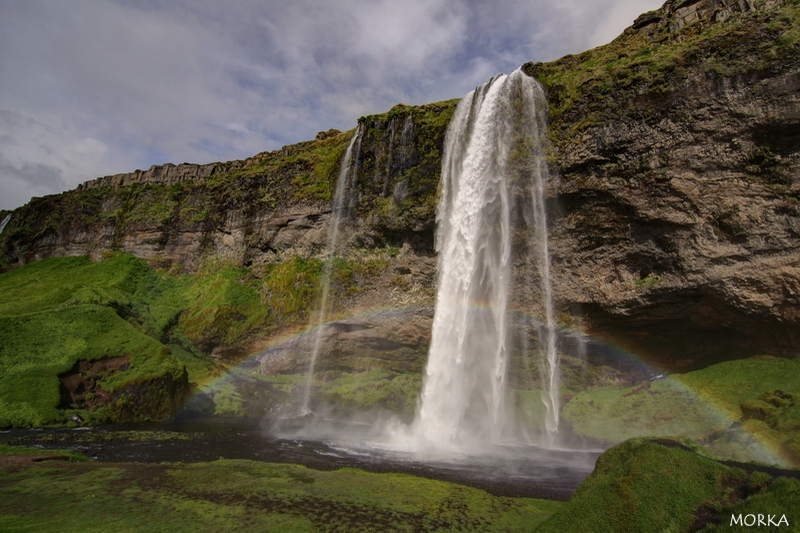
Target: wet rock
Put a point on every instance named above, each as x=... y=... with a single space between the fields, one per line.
x=396 y=340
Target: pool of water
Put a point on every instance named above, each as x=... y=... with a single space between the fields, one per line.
x=520 y=471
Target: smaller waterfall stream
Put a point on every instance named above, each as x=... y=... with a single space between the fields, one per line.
x=341 y=210
x=4 y=222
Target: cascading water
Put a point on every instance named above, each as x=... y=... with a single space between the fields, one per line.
x=5 y=222
x=341 y=210
x=388 y=170
x=408 y=130
x=493 y=181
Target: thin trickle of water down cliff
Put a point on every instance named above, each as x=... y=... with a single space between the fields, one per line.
x=342 y=205
x=491 y=207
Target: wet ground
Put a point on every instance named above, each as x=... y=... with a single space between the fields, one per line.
x=522 y=472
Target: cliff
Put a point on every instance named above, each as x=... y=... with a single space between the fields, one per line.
x=274 y=204
x=677 y=153
x=674 y=197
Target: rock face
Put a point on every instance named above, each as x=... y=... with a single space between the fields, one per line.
x=262 y=209
x=395 y=340
x=674 y=199
x=153 y=399
x=678 y=218
x=168 y=174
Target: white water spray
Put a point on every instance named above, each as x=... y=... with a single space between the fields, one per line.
x=4 y=222
x=341 y=210
x=493 y=181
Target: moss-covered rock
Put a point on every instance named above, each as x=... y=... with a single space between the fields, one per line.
x=669 y=485
x=742 y=410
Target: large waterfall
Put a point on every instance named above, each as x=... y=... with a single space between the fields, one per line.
x=492 y=239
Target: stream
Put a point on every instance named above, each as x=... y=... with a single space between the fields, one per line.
x=522 y=472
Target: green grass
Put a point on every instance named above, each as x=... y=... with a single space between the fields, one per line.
x=248 y=496
x=221 y=304
x=35 y=348
x=58 y=311
x=702 y=405
x=351 y=393
x=377 y=388
x=642 y=485
x=70 y=455
x=639 y=485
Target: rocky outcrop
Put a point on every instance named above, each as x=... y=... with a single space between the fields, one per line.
x=167 y=174
x=676 y=15
x=676 y=222
x=153 y=399
x=393 y=339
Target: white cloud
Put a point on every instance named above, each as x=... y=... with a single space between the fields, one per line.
x=95 y=87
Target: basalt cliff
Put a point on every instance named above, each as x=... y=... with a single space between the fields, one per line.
x=674 y=204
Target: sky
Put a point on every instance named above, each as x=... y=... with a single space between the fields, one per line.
x=91 y=88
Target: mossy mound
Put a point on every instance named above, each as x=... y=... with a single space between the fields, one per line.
x=58 y=313
x=743 y=410
x=109 y=340
x=669 y=485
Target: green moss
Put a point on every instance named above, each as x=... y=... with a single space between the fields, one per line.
x=641 y=485
x=377 y=388
x=700 y=405
x=289 y=288
x=222 y=303
x=249 y=496
x=70 y=455
x=648 y=281
x=59 y=311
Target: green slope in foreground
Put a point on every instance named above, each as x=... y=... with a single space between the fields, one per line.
x=639 y=485
x=645 y=485
x=245 y=496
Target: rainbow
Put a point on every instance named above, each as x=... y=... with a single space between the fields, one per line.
x=720 y=414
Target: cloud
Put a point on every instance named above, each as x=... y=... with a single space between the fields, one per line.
x=96 y=87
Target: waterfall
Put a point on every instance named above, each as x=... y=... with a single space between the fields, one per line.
x=342 y=207
x=406 y=138
x=4 y=222
x=387 y=180
x=492 y=202
x=408 y=130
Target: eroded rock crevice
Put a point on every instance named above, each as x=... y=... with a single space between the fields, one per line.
x=81 y=386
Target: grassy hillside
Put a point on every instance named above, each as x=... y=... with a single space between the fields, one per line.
x=59 y=312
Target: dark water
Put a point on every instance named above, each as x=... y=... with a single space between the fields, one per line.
x=523 y=472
